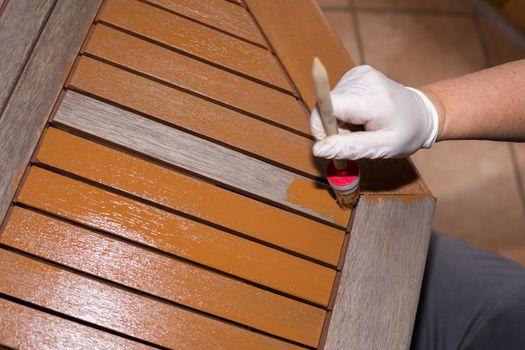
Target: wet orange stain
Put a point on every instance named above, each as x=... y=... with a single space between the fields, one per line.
x=317 y=197
x=195 y=39
x=192 y=196
x=189 y=239
x=162 y=276
x=122 y=311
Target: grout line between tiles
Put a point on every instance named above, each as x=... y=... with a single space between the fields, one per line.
x=517 y=175
x=357 y=30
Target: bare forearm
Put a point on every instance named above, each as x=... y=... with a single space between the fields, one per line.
x=489 y=104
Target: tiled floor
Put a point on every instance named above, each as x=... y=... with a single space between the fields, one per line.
x=479 y=184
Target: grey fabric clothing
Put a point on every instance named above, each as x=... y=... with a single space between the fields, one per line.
x=470 y=299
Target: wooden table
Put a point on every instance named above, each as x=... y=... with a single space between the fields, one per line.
x=158 y=188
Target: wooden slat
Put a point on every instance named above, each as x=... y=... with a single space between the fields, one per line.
x=163 y=277
x=381 y=279
x=195 y=114
x=211 y=82
x=37 y=89
x=221 y=164
x=22 y=327
x=19 y=28
x=298 y=32
x=190 y=196
x=195 y=39
x=220 y=14
x=191 y=240
x=121 y=311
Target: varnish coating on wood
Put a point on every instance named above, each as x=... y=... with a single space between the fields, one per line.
x=195 y=39
x=190 y=196
x=179 y=70
x=210 y=160
x=189 y=239
x=22 y=327
x=38 y=87
x=220 y=14
x=122 y=311
x=162 y=276
x=299 y=32
x=19 y=28
x=194 y=114
x=381 y=279
x=204 y=79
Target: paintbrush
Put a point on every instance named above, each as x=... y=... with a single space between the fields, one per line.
x=342 y=174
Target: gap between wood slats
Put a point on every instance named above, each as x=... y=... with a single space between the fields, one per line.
x=280 y=331
x=211 y=26
x=72 y=278
x=77 y=320
x=315 y=175
x=171 y=255
x=141 y=199
x=238 y=71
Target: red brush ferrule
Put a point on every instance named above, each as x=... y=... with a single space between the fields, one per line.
x=343 y=181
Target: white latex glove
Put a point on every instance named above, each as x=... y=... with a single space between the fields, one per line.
x=398 y=120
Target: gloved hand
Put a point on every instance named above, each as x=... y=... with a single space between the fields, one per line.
x=398 y=120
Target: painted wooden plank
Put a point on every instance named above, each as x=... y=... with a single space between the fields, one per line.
x=190 y=196
x=38 y=87
x=22 y=327
x=298 y=32
x=120 y=310
x=381 y=279
x=102 y=210
x=195 y=39
x=222 y=165
x=20 y=25
x=208 y=81
x=186 y=111
x=219 y=14
x=164 y=277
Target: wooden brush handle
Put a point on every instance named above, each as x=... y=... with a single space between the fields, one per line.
x=324 y=104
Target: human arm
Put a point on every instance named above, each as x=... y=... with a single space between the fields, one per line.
x=489 y=104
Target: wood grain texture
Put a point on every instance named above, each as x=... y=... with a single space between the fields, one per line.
x=22 y=327
x=208 y=81
x=381 y=279
x=195 y=39
x=19 y=28
x=298 y=32
x=190 y=196
x=222 y=165
x=122 y=311
x=163 y=277
x=219 y=14
x=38 y=87
x=205 y=118
x=123 y=217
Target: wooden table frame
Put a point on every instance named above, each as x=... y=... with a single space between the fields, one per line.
x=375 y=302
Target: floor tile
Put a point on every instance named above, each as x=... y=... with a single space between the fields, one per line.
x=439 y=5
x=501 y=49
x=477 y=192
x=419 y=49
x=333 y=3
x=343 y=25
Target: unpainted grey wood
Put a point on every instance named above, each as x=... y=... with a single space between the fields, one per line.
x=220 y=164
x=37 y=89
x=20 y=25
x=381 y=279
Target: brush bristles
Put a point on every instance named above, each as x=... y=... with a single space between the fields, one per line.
x=347 y=201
